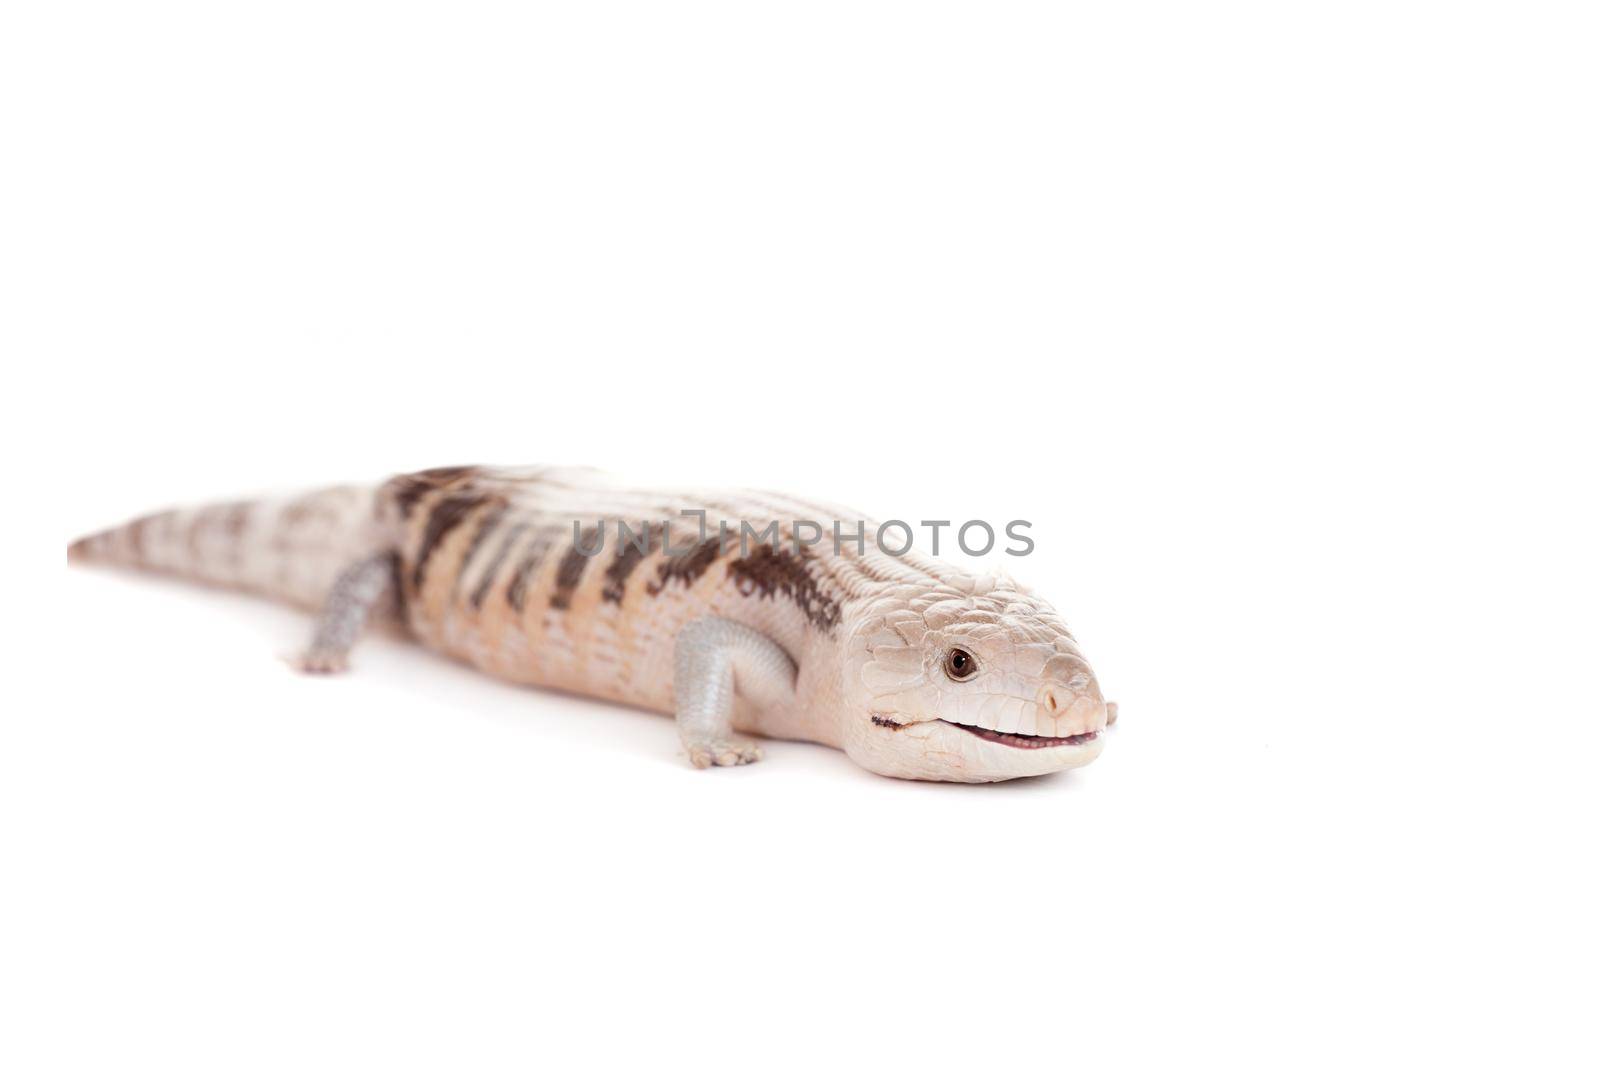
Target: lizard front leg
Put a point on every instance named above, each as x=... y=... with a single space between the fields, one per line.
x=714 y=657
x=358 y=589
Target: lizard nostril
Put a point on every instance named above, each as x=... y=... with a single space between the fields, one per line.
x=1050 y=705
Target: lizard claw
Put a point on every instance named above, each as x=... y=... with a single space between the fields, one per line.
x=321 y=661
x=705 y=753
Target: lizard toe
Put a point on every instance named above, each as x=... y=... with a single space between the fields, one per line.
x=722 y=753
x=321 y=662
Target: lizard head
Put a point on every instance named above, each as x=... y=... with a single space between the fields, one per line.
x=974 y=683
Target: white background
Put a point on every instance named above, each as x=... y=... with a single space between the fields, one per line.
x=1278 y=321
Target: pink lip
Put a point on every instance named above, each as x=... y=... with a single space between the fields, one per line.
x=1025 y=740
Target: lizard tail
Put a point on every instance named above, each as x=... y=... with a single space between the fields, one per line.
x=289 y=549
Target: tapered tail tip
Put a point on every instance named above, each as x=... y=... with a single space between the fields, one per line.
x=83 y=549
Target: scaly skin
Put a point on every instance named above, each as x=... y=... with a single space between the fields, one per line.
x=854 y=649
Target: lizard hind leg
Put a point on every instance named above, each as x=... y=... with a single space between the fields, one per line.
x=359 y=589
x=713 y=658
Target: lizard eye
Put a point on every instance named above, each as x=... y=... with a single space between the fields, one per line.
x=959 y=664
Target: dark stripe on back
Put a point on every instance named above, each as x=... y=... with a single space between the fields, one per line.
x=447 y=513
x=486 y=582
x=631 y=551
x=686 y=568
x=396 y=596
x=765 y=572
x=409 y=489
x=492 y=516
x=573 y=563
x=517 y=591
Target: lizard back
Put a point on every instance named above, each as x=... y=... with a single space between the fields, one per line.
x=563 y=577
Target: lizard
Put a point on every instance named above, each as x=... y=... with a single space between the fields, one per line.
x=914 y=667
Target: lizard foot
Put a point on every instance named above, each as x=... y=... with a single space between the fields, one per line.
x=706 y=753
x=321 y=661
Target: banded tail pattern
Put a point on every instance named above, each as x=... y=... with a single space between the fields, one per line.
x=288 y=549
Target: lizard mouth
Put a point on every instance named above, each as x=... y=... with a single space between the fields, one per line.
x=1025 y=740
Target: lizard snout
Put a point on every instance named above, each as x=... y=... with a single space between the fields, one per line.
x=1074 y=708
